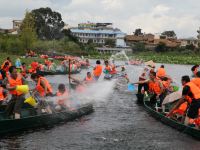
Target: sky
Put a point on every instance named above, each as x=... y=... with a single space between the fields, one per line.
x=152 y=16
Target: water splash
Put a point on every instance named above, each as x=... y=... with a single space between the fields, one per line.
x=119 y=56
x=95 y=93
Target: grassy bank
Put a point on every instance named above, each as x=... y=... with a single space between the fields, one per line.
x=165 y=57
x=169 y=57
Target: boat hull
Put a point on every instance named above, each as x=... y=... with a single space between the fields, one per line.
x=45 y=73
x=170 y=122
x=42 y=120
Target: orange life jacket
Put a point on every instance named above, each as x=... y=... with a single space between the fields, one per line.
x=108 y=68
x=41 y=89
x=182 y=109
x=114 y=71
x=155 y=87
x=1 y=77
x=97 y=71
x=161 y=72
x=9 y=64
x=196 y=81
x=1 y=94
x=15 y=82
x=194 y=90
x=89 y=80
x=62 y=97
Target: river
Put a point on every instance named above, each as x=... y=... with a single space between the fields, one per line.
x=117 y=123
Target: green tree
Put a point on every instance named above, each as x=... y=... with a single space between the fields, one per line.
x=138 y=47
x=161 y=47
x=27 y=31
x=110 y=42
x=169 y=34
x=138 y=32
x=48 y=24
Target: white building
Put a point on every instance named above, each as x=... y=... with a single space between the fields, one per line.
x=98 y=33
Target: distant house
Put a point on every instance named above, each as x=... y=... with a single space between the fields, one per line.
x=190 y=41
x=15 y=30
x=17 y=24
x=150 y=41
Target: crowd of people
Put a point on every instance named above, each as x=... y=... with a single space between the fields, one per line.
x=15 y=75
x=157 y=85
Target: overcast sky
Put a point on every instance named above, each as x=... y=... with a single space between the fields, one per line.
x=153 y=16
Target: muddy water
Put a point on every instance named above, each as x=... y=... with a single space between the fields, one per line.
x=117 y=123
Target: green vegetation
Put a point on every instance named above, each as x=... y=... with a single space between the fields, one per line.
x=174 y=57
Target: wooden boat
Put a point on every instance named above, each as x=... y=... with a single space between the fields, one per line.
x=173 y=123
x=31 y=119
x=45 y=73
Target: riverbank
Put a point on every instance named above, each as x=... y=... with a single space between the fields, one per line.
x=28 y=60
x=165 y=57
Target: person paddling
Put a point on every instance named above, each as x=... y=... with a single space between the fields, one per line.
x=62 y=101
x=191 y=94
x=17 y=99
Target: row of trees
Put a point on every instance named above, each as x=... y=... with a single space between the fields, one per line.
x=41 y=30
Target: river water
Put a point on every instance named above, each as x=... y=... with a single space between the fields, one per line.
x=117 y=123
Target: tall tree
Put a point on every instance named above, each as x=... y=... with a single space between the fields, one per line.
x=138 y=32
x=49 y=23
x=27 y=31
x=169 y=34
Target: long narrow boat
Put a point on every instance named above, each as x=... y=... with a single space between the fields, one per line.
x=177 y=125
x=31 y=119
x=45 y=73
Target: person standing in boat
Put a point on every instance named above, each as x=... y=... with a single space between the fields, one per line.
x=155 y=88
x=97 y=71
x=17 y=99
x=143 y=77
x=191 y=94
